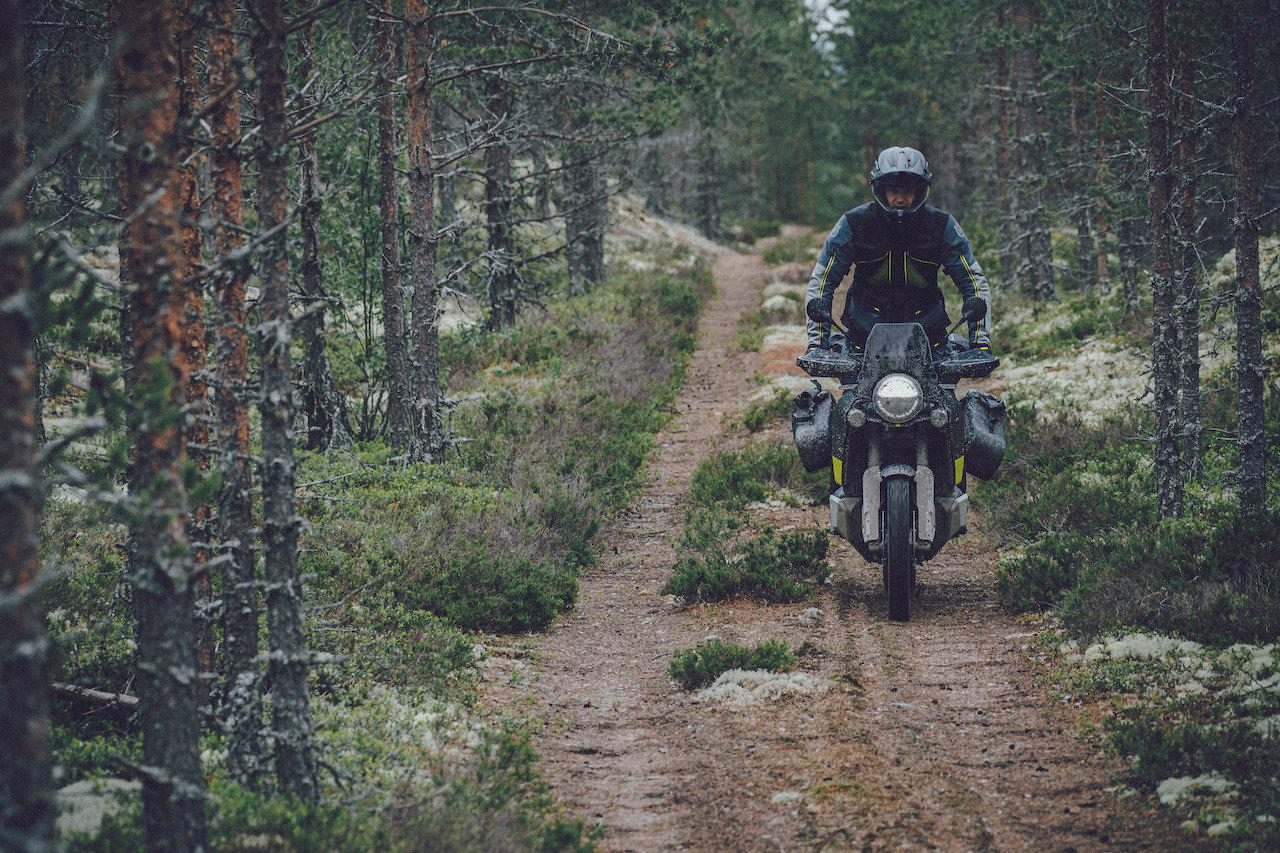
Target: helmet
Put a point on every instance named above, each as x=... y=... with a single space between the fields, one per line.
x=895 y=167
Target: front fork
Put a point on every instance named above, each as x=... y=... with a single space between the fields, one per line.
x=873 y=491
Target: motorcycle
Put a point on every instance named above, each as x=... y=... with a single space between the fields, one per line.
x=899 y=444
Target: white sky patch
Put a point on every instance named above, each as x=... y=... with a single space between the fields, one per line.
x=826 y=19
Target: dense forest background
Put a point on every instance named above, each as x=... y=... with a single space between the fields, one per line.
x=255 y=256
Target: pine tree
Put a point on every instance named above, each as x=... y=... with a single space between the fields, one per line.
x=27 y=808
x=160 y=565
x=1251 y=366
x=291 y=726
x=242 y=687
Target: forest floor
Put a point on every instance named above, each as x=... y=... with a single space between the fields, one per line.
x=931 y=735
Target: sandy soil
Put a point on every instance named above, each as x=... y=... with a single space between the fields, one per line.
x=933 y=734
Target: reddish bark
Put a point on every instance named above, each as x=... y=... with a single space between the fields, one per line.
x=160 y=566
x=242 y=694
x=27 y=808
x=428 y=434
x=194 y=347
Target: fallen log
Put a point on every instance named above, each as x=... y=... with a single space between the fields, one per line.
x=96 y=697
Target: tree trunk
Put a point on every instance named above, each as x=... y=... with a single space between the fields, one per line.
x=428 y=429
x=398 y=394
x=1032 y=228
x=1251 y=365
x=27 y=807
x=193 y=339
x=1082 y=213
x=1128 y=250
x=242 y=683
x=709 y=187
x=1007 y=213
x=1186 y=279
x=1165 y=362
x=504 y=282
x=325 y=409
x=290 y=715
x=160 y=563
x=586 y=221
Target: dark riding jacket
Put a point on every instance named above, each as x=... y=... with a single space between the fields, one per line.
x=895 y=272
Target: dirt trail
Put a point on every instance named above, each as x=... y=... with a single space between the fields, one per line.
x=932 y=736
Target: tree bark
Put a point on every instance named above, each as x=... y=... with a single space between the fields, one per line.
x=586 y=221
x=193 y=338
x=504 y=285
x=325 y=409
x=291 y=725
x=709 y=187
x=1165 y=362
x=27 y=807
x=1127 y=249
x=1251 y=366
x=398 y=394
x=428 y=429
x=1186 y=278
x=1032 y=228
x=1007 y=211
x=160 y=561
x=242 y=687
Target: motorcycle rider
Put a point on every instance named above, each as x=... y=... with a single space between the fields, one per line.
x=895 y=246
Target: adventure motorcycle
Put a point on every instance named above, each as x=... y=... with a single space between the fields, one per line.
x=899 y=444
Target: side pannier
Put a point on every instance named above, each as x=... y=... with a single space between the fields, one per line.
x=984 y=445
x=811 y=428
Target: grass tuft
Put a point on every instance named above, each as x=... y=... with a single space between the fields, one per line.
x=700 y=667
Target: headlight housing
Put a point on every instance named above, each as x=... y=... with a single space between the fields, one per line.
x=897 y=398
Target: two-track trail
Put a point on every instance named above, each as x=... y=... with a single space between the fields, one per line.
x=931 y=736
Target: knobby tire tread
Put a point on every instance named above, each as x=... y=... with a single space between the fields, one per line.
x=898 y=553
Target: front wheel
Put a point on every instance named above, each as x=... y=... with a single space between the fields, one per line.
x=899 y=548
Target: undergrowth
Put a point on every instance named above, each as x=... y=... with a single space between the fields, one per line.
x=700 y=667
x=403 y=564
x=771 y=566
x=1076 y=503
x=1200 y=727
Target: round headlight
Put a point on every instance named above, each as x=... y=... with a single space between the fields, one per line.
x=898 y=398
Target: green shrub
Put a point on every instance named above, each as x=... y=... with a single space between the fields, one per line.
x=1081 y=499
x=791 y=250
x=700 y=667
x=770 y=567
x=756 y=229
x=734 y=479
x=762 y=413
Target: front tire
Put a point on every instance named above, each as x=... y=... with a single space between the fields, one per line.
x=899 y=548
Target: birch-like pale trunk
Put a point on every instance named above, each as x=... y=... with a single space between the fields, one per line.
x=398 y=394
x=242 y=681
x=1251 y=366
x=27 y=807
x=427 y=443
x=1165 y=362
x=324 y=408
x=288 y=660
x=160 y=565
